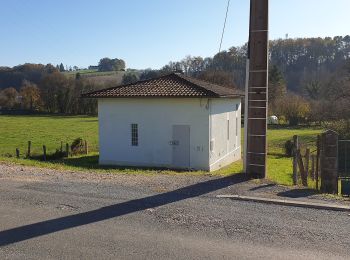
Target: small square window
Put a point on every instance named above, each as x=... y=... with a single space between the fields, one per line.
x=134 y=135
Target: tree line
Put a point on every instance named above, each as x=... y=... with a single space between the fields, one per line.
x=308 y=80
x=306 y=76
x=37 y=87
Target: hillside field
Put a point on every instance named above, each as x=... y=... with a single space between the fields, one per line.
x=102 y=79
x=51 y=130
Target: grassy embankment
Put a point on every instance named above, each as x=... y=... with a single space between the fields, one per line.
x=16 y=131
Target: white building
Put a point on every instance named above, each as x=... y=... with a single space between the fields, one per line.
x=172 y=121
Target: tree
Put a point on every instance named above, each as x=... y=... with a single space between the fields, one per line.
x=30 y=95
x=149 y=74
x=313 y=89
x=62 y=67
x=13 y=77
x=78 y=76
x=107 y=64
x=277 y=87
x=218 y=77
x=9 y=98
x=129 y=78
x=56 y=92
x=294 y=108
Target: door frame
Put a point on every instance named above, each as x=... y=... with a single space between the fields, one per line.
x=173 y=143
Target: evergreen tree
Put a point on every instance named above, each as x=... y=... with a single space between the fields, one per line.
x=277 y=87
x=62 y=68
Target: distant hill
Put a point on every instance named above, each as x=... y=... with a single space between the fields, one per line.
x=99 y=78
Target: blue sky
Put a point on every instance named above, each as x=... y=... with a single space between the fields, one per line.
x=148 y=33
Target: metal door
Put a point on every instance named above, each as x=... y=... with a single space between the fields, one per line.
x=344 y=158
x=181 y=146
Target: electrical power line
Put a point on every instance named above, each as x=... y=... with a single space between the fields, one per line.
x=223 y=29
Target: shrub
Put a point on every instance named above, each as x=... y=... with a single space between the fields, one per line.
x=295 y=108
x=342 y=127
x=77 y=147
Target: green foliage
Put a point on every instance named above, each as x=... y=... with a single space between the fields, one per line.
x=13 y=77
x=8 y=98
x=57 y=155
x=313 y=90
x=78 y=76
x=61 y=67
x=107 y=64
x=294 y=108
x=218 y=77
x=30 y=96
x=149 y=74
x=299 y=60
x=342 y=127
x=77 y=146
x=130 y=77
x=277 y=89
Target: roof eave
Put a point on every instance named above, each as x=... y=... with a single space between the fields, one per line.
x=211 y=96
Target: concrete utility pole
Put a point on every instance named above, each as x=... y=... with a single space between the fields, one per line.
x=256 y=99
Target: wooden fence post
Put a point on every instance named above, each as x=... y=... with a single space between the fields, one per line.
x=307 y=162
x=61 y=149
x=295 y=160
x=29 y=148
x=17 y=153
x=86 y=147
x=301 y=168
x=44 y=152
x=313 y=160
x=318 y=161
x=67 y=150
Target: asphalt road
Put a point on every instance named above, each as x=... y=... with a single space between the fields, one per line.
x=59 y=217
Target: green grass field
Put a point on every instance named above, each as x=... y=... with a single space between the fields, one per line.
x=16 y=131
x=93 y=73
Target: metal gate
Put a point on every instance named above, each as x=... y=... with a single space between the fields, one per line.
x=344 y=165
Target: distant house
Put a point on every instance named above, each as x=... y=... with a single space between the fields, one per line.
x=171 y=121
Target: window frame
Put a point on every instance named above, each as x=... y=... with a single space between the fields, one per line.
x=134 y=134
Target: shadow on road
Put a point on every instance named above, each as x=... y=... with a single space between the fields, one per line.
x=38 y=229
x=297 y=193
x=266 y=186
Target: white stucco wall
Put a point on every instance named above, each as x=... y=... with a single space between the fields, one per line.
x=155 y=118
x=224 y=150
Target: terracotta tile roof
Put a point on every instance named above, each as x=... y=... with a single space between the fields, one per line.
x=170 y=85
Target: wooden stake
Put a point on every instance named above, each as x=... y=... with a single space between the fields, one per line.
x=67 y=150
x=318 y=160
x=307 y=162
x=86 y=147
x=17 y=153
x=301 y=168
x=29 y=148
x=44 y=152
x=313 y=160
x=295 y=159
